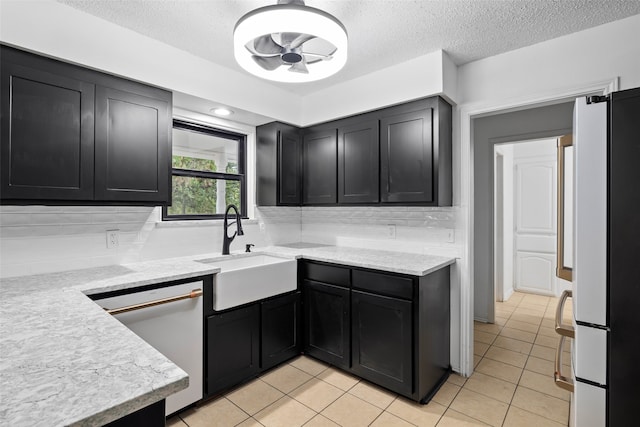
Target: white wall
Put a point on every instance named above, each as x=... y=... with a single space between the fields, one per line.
x=60 y=31
x=596 y=54
x=80 y=37
x=504 y=231
x=604 y=57
x=426 y=75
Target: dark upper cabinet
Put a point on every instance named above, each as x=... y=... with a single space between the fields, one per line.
x=382 y=340
x=327 y=313
x=47 y=132
x=358 y=153
x=319 y=153
x=71 y=135
x=289 y=167
x=278 y=165
x=415 y=153
x=233 y=347
x=132 y=155
x=406 y=167
x=280 y=329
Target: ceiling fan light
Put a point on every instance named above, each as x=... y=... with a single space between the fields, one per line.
x=290 y=18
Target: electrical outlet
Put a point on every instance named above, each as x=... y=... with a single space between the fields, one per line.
x=261 y=227
x=451 y=236
x=113 y=239
x=391 y=231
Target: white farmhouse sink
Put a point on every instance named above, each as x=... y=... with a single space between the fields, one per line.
x=250 y=278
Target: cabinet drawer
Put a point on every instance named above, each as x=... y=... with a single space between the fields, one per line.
x=327 y=274
x=383 y=284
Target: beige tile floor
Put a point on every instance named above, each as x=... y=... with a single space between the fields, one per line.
x=512 y=386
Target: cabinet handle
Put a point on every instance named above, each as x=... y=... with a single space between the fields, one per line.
x=562 y=329
x=193 y=294
x=560 y=380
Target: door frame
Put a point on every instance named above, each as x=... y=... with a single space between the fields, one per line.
x=463 y=138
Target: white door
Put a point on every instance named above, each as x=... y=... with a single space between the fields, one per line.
x=535 y=217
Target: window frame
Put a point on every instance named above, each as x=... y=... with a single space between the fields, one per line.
x=240 y=176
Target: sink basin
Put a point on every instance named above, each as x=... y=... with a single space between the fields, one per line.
x=251 y=278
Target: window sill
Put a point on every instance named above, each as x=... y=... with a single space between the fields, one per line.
x=198 y=223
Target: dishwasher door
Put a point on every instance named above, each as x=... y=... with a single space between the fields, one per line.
x=174 y=328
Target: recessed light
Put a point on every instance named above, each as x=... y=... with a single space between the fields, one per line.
x=221 y=111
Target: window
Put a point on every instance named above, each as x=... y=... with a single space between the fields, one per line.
x=208 y=172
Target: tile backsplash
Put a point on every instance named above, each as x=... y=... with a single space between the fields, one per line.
x=398 y=228
x=42 y=239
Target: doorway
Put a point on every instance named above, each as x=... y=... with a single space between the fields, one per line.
x=525 y=213
x=537 y=123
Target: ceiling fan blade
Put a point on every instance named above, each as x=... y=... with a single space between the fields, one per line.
x=268 y=63
x=319 y=55
x=299 y=67
x=287 y=38
x=302 y=38
x=266 y=46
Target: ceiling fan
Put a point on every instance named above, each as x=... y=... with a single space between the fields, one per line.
x=290 y=42
x=292 y=50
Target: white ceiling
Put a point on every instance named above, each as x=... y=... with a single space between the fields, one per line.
x=381 y=32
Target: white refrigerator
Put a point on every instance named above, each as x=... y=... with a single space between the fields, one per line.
x=606 y=261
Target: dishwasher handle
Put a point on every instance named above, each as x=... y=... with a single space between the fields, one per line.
x=195 y=293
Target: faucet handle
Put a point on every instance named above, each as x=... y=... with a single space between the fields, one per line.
x=248 y=247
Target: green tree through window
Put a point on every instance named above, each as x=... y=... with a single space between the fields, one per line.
x=198 y=182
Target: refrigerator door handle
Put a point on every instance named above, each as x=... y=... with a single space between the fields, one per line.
x=562 y=329
x=560 y=380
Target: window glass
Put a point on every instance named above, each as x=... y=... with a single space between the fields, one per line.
x=207 y=172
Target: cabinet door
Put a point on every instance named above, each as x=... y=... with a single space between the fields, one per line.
x=233 y=347
x=319 y=167
x=133 y=147
x=406 y=157
x=280 y=330
x=358 y=176
x=327 y=332
x=381 y=330
x=289 y=158
x=47 y=132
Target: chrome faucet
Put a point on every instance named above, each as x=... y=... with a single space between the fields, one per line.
x=226 y=240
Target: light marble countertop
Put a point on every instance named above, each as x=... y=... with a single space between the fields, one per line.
x=64 y=361
x=396 y=262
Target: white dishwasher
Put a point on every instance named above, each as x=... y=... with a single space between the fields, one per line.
x=169 y=319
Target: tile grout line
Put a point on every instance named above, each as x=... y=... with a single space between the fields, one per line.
x=522 y=374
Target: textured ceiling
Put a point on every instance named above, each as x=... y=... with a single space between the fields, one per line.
x=381 y=32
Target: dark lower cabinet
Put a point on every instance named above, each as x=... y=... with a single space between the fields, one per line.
x=382 y=337
x=243 y=342
x=150 y=416
x=233 y=347
x=280 y=329
x=327 y=332
x=391 y=329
